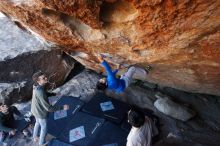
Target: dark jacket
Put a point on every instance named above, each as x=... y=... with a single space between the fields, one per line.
x=7 y=120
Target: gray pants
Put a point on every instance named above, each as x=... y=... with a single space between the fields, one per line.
x=137 y=71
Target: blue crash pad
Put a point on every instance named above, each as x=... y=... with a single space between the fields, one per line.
x=88 y=122
x=55 y=127
x=56 y=142
x=125 y=125
x=115 y=115
x=110 y=135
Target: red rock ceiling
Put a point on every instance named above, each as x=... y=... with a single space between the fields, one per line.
x=179 y=38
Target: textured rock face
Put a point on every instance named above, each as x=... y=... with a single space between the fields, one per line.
x=7 y=90
x=14 y=41
x=82 y=86
x=21 y=55
x=16 y=80
x=175 y=110
x=179 y=38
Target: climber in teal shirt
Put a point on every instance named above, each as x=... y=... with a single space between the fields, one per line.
x=118 y=84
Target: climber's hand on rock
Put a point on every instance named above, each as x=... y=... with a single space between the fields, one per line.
x=100 y=58
x=119 y=66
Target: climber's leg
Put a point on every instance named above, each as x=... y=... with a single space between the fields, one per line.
x=137 y=71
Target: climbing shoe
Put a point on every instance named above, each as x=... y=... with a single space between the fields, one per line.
x=148 y=68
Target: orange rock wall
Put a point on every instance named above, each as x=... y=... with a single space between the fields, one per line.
x=179 y=38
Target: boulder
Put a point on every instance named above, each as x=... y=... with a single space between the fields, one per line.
x=10 y=91
x=173 y=109
x=22 y=54
x=82 y=86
